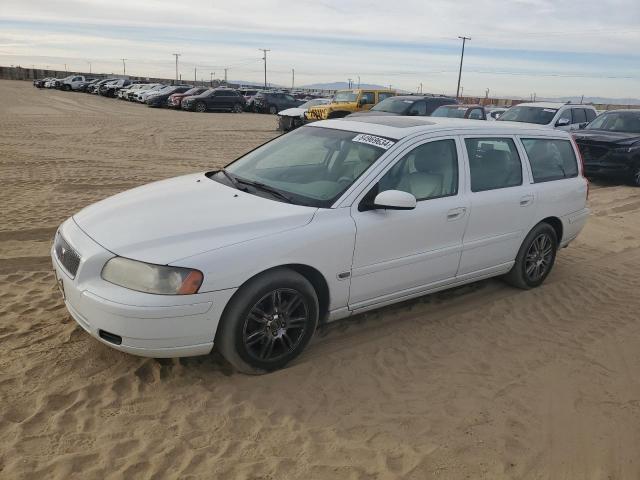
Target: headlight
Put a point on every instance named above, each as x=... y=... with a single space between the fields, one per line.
x=150 y=278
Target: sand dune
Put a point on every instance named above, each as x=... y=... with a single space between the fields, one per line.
x=484 y=381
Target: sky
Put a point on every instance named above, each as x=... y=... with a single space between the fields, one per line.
x=517 y=48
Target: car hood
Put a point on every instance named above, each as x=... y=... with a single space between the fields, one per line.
x=292 y=112
x=604 y=136
x=176 y=218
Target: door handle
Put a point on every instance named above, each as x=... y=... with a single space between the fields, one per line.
x=526 y=200
x=456 y=213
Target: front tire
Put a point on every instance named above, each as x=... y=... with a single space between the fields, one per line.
x=268 y=322
x=201 y=107
x=273 y=109
x=635 y=177
x=237 y=108
x=535 y=258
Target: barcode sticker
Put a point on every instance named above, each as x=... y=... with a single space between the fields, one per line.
x=373 y=140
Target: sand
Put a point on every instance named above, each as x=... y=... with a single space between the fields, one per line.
x=482 y=382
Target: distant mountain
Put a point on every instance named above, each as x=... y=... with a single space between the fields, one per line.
x=345 y=85
x=596 y=100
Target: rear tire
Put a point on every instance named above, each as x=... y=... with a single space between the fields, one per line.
x=635 y=177
x=268 y=322
x=535 y=258
x=237 y=108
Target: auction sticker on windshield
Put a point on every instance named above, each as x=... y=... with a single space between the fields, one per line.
x=373 y=140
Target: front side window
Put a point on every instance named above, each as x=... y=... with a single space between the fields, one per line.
x=565 y=117
x=494 y=163
x=538 y=115
x=550 y=159
x=590 y=114
x=311 y=165
x=427 y=172
x=368 y=98
x=476 y=114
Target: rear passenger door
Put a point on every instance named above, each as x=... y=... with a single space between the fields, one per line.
x=502 y=205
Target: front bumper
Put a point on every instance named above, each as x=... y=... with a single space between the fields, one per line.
x=145 y=324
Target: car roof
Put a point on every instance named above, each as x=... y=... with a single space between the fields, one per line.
x=397 y=127
x=422 y=97
x=556 y=105
x=462 y=105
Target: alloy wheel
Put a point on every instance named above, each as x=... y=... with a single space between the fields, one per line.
x=201 y=107
x=538 y=258
x=275 y=325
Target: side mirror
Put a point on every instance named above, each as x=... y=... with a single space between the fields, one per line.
x=395 y=200
x=563 y=122
x=583 y=125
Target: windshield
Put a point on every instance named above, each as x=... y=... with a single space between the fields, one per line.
x=449 y=112
x=624 y=122
x=539 y=115
x=312 y=166
x=393 y=105
x=347 y=96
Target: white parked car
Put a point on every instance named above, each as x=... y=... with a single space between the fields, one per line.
x=563 y=116
x=292 y=118
x=142 y=95
x=333 y=219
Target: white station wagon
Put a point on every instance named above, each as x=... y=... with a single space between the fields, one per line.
x=333 y=219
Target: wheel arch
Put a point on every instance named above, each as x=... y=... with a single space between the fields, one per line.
x=557 y=226
x=338 y=114
x=312 y=274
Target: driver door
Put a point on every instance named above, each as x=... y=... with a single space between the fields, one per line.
x=399 y=253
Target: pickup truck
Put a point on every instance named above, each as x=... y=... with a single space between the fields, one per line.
x=74 y=82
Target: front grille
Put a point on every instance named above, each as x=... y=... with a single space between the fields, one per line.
x=66 y=255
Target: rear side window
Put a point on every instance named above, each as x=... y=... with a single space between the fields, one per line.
x=494 y=163
x=550 y=159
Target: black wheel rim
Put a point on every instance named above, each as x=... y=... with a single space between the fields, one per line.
x=538 y=258
x=636 y=177
x=275 y=325
x=200 y=107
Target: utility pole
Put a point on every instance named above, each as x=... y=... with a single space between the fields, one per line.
x=358 y=81
x=89 y=66
x=176 y=55
x=124 y=66
x=265 y=50
x=225 y=75
x=293 y=78
x=195 y=74
x=211 y=78
x=349 y=83
x=464 y=41
x=420 y=88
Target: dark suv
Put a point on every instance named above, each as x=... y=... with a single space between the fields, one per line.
x=410 y=105
x=160 y=99
x=215 y=99
x=273 y=102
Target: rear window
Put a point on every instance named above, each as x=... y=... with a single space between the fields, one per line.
x=550 y=159
x=539 y=115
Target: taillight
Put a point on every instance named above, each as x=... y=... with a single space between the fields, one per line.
x=577 y=148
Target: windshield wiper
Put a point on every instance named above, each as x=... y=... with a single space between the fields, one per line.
x=266 y=188
x=232 y=179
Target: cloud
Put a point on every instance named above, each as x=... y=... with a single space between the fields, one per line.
x=517 y=47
